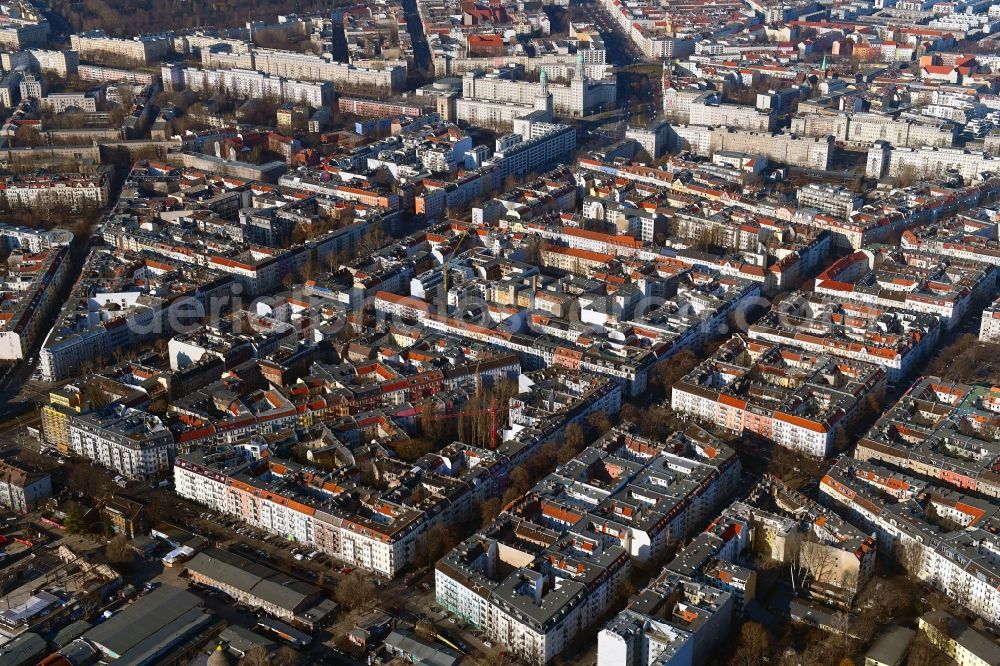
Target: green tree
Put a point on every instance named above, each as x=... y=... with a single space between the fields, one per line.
x=75 y=522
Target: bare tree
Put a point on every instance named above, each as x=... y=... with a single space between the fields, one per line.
x=573 y=443
x=813 y=560
x=753 y=645
x=910 y=555
x=355 y=590
x=26 y=135
x=599 y=422
x=256 y=656
x=372 y=241
x=489 y=510
x=287 y=656
x=118 y=552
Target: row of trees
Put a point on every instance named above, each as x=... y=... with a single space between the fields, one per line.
x=126 y=18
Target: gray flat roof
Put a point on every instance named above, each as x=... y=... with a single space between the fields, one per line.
x=151 y=625
x=26 y=648
x=240 y=640
x=70 y=632
x=260 y=581
x=421 y=652
x=891 y=645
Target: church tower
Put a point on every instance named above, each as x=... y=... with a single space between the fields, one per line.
x=543 y=100
x=580 y=73
x=578 y=88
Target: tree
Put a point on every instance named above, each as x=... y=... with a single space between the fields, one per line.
x=441 y=431
x=813 y=560
x=631 y=413
x=287 y=656
x=660 y=422
x=489 y=510
x=118 y=551
x=544 y=461
x=75 y=522
x=372 y=241
x=923 y=652
x=483 y=410
x=533 y=250
x=93 y=395
x=907 y=176
x=910 y=555
x=26 y=135
x=355 y=590
x=753 y=645
x=668 y=372
x=86 y=480
x=414 y=448
x=600 y=422
x=519 y=478
x=573 y=443
x=256 y=656
x=435 y=544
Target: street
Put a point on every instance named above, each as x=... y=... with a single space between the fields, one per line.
x=621 y=51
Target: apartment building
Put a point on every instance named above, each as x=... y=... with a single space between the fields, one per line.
x=897 y=340
x=547 y=144
x=865 y=129
x=941 y=430
x=665 y=40
x=962 y=643
x=789 y=527
x=248 y=84
x=21 y=490
x=113 y=75
x=307 y=67
x=543 y=144
x=678 y=623
x=558 y=397
x=927 y=162
x=807 y=152
x=535 y=601
x=62 y=102
x=902 y=513
x=377 y=109
x=710 y=587
x=60 y=63
x=573 y=260
x=99 y=46
x=796 y=399
x=22 y=36
x=106 y=312
x=29 y=290
x=377 y=534
x=65 y=190
x=832 y=199
x=967 y=235
x=34 y=240
x=126 y=517
x=580 y=97
x=130 y=442
x=912 y=280
x=989 y=325
x=708 y=110
x=10 y=88
x=31 y=87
